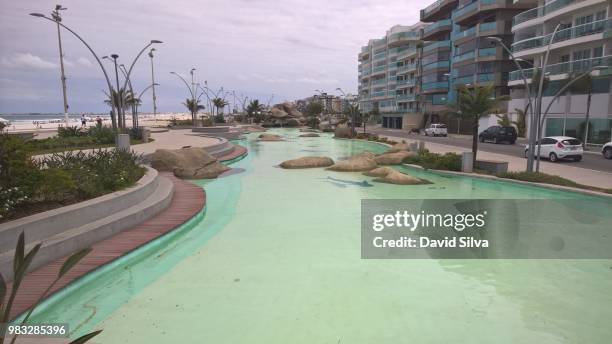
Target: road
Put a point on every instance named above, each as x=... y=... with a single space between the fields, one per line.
x=590 y=161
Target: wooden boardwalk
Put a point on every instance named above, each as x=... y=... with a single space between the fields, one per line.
x=187 y=201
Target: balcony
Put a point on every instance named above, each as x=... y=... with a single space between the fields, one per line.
x=436 y=45
x=483 y=52
x=467 y=56
x=436 y=85
x=439 y=64
x=437 y=27
x=542 y=11
x=379 y=69
x=564 y=35
x=407 y=68
x=463 y=34
x=578 y=66
x=406 y=52
x=437 y=10
x=406 y=82
x=466 y=12
x=406 y=97
x=404 y=37
x=379 y=82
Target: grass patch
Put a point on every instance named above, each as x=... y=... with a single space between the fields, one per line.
x=538 y=177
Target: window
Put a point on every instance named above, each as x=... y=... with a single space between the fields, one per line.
x=598 y=52
x=601 y=15
x=582 y=54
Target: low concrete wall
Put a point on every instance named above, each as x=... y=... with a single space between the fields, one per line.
x=219 y=129
x=67 y=229
x=491 y=166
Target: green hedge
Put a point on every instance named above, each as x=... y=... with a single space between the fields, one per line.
x=29 y=185
x=434 y=161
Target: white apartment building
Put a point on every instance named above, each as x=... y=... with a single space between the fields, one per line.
x=388 y=80
x=583 y=41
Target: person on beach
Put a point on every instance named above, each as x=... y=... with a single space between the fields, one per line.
x=83 y=120
x=99 y=121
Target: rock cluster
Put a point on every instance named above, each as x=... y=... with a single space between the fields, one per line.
x=310 y=135
x=188 y=163
x=285 y=114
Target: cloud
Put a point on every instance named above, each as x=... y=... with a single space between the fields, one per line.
x=84 y=62
x=26 y=61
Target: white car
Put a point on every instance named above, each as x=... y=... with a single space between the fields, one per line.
x=559 y=147
x=436 y=129
x=606 y=150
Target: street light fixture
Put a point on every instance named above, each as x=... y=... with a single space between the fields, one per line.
x=40 y=15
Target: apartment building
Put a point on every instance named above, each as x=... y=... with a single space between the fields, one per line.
x=388 y=77
x=456 y=51
x=583 y=41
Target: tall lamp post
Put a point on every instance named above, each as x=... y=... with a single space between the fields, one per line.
x=58 y=18
x=191 y=92
x=153 y=86
x=532 y=120
x=108 y=83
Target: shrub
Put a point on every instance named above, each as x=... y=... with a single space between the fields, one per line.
x=539 y=177
x=426 y=159
x=57 y=179
x=219 y=118
x=135 y=133
x=102 y=135
x=70 y=132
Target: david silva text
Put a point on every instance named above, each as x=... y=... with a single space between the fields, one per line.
x=425 y=242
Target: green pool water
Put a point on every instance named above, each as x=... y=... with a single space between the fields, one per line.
x=275 y=258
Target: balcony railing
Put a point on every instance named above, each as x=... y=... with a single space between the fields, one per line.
x=578 y=66
x=438 y=64
x=472 y=7
x=435 y=85
x=467 y=56
x=432 y=7
x=464 y=80
x=437 y=25
x=466 y=33
x=541 y=11
x=487 y=26
x=439 y=44
x=379 y=69
x=406 y=52
x=487 y=52
x=404 y=35
x=483 y=77
x=564 y=35
x=411 y=82
x=407 y=67
x=406 y=97
x=379 y=82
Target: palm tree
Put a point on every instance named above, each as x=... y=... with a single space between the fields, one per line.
x=521 y=122
x=254 y=107
x=503 y=120
x=194 y=106
x=219 y=103
x=123 y=100
x=476 y=103
x=313 y=109
x=583 y=85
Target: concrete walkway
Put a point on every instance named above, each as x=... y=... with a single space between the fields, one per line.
x=579 y=175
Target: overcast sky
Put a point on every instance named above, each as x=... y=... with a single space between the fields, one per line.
x=256 y=47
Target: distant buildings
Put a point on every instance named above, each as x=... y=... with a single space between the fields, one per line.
x=389 y=77
x=411 y=75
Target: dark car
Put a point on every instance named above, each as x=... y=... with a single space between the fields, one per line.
x=497 y=134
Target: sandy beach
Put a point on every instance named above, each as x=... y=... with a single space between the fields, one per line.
x=146 y=120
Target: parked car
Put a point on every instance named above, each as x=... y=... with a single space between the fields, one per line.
x=606 y=150
x=498 y=134
x=436 y=129
x=559 y=147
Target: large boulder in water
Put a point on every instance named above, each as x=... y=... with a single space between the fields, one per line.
x=379 y=172
x=191 y=162
x=310 y=135
x=392 y=158
x=278 y=113
x=357 y=163
x=292 y=122
x=308 y=162
x=343 y=131
x=269 y=137
x=396 y=177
